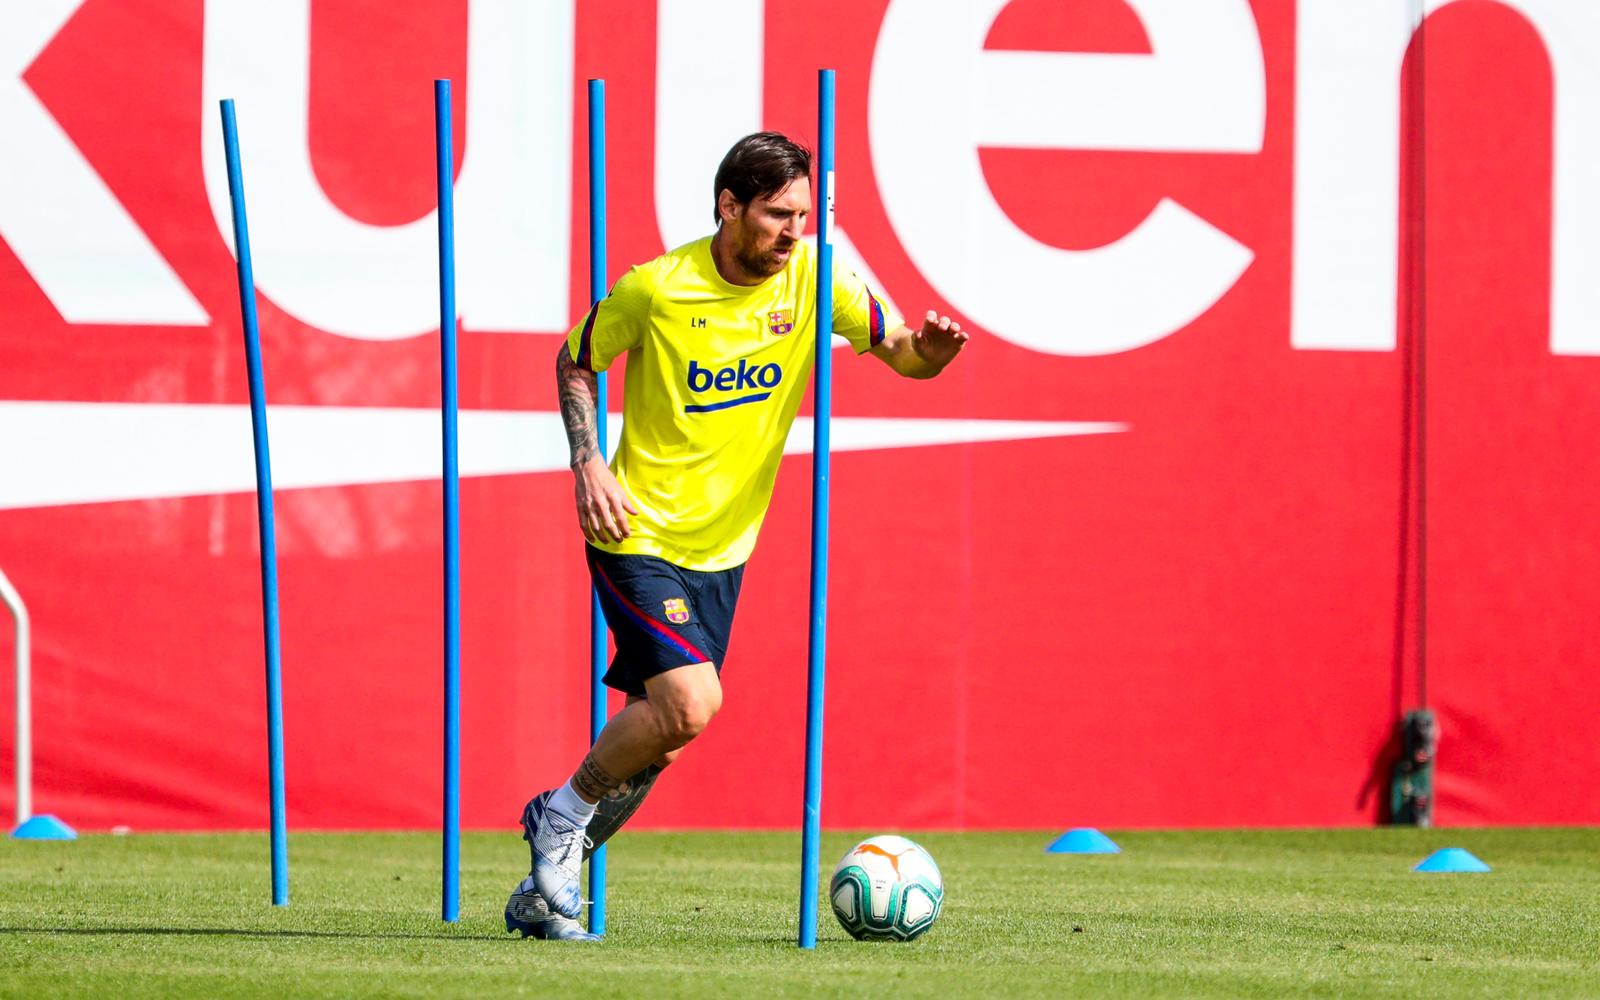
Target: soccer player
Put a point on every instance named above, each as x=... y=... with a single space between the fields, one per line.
x=720 y=337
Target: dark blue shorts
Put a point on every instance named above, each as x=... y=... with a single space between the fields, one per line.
x=662 y=616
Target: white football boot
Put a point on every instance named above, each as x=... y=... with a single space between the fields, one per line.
x=527 y=912
x=556 y=846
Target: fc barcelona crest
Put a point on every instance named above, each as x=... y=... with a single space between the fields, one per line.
x=780 y=322
x=677 y=611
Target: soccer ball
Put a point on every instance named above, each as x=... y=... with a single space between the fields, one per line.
x=886 y=889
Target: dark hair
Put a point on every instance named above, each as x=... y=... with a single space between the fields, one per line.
x=760 y=164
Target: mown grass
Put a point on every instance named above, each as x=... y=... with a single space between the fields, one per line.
x=1194 y=913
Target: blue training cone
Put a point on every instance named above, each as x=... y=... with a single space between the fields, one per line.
x=44 y=827
x=1083 y=840
x=1451 y=859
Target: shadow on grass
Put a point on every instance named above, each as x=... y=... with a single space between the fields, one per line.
x=243 y=933
x=762 y=940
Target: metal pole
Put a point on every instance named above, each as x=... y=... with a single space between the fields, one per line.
x=450 y=907
x=811 y=833
x=597 y=619
x=24 y=749
x=269 y=545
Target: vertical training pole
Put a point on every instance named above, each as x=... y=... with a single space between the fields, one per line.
x=811 y=833
x=450 y=907
x=22 y=661
x=269 y=544
x=597 y=619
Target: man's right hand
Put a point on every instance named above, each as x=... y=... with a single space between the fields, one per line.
x=603 y=506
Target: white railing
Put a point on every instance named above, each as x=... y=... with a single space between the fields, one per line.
x=19 y=615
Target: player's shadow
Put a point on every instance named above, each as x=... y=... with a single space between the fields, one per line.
x=246 y=933
x=1374 y=794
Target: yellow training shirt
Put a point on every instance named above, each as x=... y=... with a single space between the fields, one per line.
x=715 y=376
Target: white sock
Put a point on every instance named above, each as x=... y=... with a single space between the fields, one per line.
x=566 y=802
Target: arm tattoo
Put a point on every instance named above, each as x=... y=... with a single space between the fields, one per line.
x=578 y=390
x=592 y=779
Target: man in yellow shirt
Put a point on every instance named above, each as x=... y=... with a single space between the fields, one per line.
x=720 y=336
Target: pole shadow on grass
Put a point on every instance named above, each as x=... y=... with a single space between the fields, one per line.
x=243 y=933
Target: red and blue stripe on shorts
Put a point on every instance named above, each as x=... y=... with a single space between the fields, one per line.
x=663 y=633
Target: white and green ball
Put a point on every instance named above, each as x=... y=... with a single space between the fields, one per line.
x=887 y=889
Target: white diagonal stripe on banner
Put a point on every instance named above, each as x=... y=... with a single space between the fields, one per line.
x=56 y=453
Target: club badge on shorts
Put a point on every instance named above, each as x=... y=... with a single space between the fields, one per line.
x=780 y=322
x=677 y=610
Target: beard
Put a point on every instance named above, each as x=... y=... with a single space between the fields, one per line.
x=762 y=261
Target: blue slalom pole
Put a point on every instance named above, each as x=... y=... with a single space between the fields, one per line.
x=269 y=543
x=811 y=833
x=450 y=908
x=597 y=618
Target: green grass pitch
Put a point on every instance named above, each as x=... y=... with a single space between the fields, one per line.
x=1195 y=913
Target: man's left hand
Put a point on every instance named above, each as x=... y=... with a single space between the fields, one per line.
x=939 y=341
x=922 y=353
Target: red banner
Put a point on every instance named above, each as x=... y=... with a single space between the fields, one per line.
x=1284 y=342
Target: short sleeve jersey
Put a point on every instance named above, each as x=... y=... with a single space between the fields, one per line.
x=715 y=375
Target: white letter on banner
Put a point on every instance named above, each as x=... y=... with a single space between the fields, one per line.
x=690 y=144
x=937 y=96
x=1347 y=159
x=57 y=214
x=513 y=193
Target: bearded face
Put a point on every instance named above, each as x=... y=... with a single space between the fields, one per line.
x=763 y=233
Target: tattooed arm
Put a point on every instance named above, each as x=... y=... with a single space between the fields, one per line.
x=603 y=507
